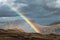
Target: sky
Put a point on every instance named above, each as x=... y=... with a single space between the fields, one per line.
x=36 y=10
x=32 y=8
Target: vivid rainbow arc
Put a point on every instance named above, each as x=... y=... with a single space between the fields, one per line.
x=34 y=27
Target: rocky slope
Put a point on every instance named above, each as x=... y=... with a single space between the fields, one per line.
x=18 y=35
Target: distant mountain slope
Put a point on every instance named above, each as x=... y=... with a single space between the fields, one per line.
x=17 y=23
x=54 y=29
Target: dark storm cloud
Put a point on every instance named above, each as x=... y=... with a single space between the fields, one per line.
x=5 y=11
x=43 y=12
x=40 y=11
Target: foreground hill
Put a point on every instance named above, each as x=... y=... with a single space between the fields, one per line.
x=18 y=35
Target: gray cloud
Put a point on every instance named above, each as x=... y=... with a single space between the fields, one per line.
x=53 y=3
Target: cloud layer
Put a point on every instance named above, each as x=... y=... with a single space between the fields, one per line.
x=53 y=3
x=39 y=11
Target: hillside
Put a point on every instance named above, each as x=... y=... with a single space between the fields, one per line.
x=52 y=29
x=17 y=35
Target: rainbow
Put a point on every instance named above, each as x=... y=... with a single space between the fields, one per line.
x=34 y=27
